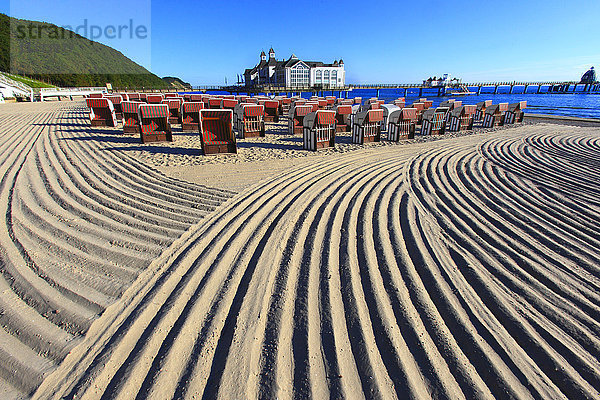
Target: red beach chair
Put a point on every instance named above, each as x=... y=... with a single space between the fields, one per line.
x=342 y=118
x=102 y=112
x=494 y=115
x=116 y=100
x=461 y=118
x=296 y=118
x=515 y=112
x=154 y=123
x=319 y=130
x=271 y=111
x=131 y=124
x=190 y=116
x=154 y=98
x=402 y=124
x=174 y=105
x=216 y=131
x=367 y=126
x=249 y=120
x=480 y=109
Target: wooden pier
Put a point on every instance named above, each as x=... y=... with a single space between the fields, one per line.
x=416 y=89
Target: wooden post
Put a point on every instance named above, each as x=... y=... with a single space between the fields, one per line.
x=496 y=89
x=511 y=89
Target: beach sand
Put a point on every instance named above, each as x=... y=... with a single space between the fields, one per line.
x=464 y=266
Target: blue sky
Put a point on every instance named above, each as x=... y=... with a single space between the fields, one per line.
x=204 y=42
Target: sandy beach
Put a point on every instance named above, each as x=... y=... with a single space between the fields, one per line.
x=460 y=266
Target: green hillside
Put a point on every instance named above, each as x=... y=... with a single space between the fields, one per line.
x=64 y=58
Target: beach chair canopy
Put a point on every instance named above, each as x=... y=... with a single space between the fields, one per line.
x=130 y=107
x=302 y=110
x=192 y=107
x=469 y=109
x=368 y=116
x=154 y=98
x=418 y=106
x=253 y=110
x=389 y=108
x=229 y=103
x=503 y=107
x=154 y=111
x=319 y=117
x=216 y=127
x=271 y=104
x=408 y=114
x=344 y=110
x=114 y=98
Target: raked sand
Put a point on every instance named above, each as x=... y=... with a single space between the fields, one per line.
x=466 y=267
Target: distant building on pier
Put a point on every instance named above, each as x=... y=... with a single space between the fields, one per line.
x=295 y=72
x=589 y=76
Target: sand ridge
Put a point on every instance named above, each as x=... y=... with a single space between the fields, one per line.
x=461 y=268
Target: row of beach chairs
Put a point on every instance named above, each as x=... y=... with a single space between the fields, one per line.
x=219 y=118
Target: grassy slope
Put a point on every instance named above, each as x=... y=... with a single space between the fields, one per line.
x=72 y=61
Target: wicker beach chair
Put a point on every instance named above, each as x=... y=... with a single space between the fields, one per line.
x=494 y=115
x=357 y=100
x=190 y=116
x=400 y=102
x=116 y=100
x=214 y=103
x=461 y=118
x=102 y=112
x=387 y=110
x=515 y=112
x=319 y=130
x=402 y=124
x=296 y=118
x=131 y=123
x=342 y=118
x=154 y=98
x=144 y=97
x=433 y=121
x=196 y=98
x=174 y=105
x=228 y=103
x=133 y=96
x=170 y=95
x=367 y=126
x=216 y=131
x=154 y=123
x=249 y=120
x=420 y=107
x=95 y=95
x=271 y=111
x=480 y=109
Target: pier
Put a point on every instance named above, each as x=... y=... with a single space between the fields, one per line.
x=416 y=89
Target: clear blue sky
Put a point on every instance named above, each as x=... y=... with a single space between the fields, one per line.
x=203 y=42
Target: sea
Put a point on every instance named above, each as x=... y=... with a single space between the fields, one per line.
x=583 y=105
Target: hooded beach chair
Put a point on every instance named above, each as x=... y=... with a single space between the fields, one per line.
x=228 y=103
x=402 y=124
x=190 y=116
x=433 y=121
x=214 y=103
x=116 y=100
x=296 y=118
x=95 y=95
x=420 y=107
x=133 y=96
x=387 y=110
x=342 y=118
x=367 y=126
x=154 y=98
x=461 y=118
x=216 y=131
x=319 y=130
x=174 y=105
x=480 y=109
x=143 y=97
x=494 y=115
x=102 y=112
x=400 y=102
x=515 y=112
x=131 y=123
x=196 y=98
x=357 y=100
x=284 y=106
x=249 y=120
x=271 y=111
x=154 y=123
x=169 y=95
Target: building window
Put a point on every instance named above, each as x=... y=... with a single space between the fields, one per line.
x=318 y=77
x=299 y=76
x=333 y=77
x=326 y=77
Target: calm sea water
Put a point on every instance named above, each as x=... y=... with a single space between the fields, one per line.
x=586 y=105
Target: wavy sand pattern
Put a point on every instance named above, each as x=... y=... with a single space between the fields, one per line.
x=79 y=224
x=461 y=268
